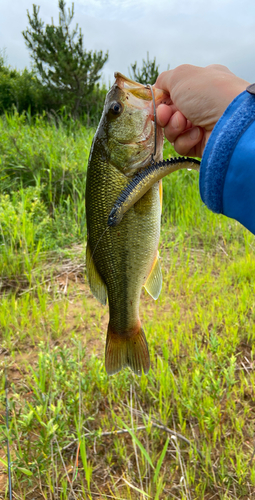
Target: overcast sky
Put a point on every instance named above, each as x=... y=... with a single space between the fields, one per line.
x=197 y=32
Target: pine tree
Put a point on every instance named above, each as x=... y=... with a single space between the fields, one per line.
x=64 y=66
x=147 y=74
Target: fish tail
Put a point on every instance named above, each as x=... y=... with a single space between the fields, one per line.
x=126 y=350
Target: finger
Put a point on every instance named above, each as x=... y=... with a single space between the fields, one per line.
x=164 y=80
x=164 y=114
x=168 y=79
x=196 y=152
x=220 y=67
x=176 y=126
x=189 y=142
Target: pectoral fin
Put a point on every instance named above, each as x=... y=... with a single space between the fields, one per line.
x=154 y=281
x=96 y=283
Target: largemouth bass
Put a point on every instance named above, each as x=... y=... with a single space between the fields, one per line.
x=121 y=260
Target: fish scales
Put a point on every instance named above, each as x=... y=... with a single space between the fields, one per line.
x=121 y=260
x=129 y=250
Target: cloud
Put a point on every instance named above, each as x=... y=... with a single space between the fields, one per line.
x=175 y=32
x=13 y=20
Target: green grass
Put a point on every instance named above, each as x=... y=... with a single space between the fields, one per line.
x=186 y=430
x=42 y=185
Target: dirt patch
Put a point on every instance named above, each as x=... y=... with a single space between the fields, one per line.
x=84 y=317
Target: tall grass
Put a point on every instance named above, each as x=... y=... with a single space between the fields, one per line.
x=42 y=185
x=186 y=430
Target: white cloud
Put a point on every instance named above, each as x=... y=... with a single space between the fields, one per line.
x=176 y=32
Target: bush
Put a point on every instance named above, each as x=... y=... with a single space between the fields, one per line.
x=20 y=89
x=23 y=91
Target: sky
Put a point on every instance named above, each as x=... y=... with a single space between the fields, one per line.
x=199 y=32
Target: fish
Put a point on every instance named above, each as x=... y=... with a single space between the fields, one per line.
x=121 y=260
x=123 y=212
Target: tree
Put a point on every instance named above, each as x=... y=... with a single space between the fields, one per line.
x=69 y=71
x=147 y=74
x=3 y=58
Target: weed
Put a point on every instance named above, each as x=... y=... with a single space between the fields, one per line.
x=186 y=430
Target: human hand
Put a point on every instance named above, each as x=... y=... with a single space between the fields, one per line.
x=199 y=97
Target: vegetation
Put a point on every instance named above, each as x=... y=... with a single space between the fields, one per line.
x=19 y=89
x=64 y=79
x=186 y=430
x=64 y=66
x=23 y=91
x=148 y=73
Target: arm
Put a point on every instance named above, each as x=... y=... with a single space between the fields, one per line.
x=227 y=172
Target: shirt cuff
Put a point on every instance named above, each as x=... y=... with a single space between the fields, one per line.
x=218 y=152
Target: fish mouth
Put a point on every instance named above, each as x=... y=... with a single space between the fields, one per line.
x=139 y=96
x=142 y=92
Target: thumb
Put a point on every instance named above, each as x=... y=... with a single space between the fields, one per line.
x=188 y=140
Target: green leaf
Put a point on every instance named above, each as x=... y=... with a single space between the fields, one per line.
x=160 y=460
x=139 y=444
x=136 y=489
x=26 y=471
x=3 y=462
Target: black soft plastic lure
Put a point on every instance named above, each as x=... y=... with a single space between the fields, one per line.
x=143 y=181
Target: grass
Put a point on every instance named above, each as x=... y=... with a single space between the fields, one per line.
x=186 y=430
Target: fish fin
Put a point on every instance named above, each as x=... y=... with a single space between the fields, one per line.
x=153 y=284
x=122 y=351
x=161 y=193
x=96 y=283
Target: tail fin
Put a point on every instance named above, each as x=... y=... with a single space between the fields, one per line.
x=122 y=351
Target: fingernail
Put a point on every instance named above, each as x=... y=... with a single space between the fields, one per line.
x=194 y=133
x=175 y=121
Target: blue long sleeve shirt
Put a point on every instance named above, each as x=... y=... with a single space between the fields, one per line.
x=227 y=172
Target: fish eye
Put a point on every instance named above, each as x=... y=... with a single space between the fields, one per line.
x=116 y=108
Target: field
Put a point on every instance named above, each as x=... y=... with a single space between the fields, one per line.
x=184 y=431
